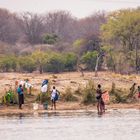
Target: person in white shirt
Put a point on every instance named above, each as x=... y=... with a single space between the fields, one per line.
x=54 y=97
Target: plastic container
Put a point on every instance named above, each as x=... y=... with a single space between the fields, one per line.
x=35 y=106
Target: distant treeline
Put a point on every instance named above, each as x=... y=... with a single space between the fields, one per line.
x=57 y=41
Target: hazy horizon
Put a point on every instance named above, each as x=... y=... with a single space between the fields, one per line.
x=78 y=8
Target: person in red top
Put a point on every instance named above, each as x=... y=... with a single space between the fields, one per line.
x=138 y=91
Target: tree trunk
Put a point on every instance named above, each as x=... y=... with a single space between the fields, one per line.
x=97 y=64
x=40 y=69
x=136 y=60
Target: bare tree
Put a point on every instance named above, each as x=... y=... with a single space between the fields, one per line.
x=60 y=23
x=32 y=27
x=8 y=29
x=91 y=25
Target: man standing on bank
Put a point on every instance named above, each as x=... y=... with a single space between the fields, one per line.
x=20 y=96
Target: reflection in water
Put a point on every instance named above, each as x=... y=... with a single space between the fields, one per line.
x=78 y=125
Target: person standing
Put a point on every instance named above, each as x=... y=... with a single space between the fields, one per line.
x=138 y=91
x=20 y=96
x=100 y=102
x=54 y=97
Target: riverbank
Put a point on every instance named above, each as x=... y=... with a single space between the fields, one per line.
x=63 y=81
x=61 y=107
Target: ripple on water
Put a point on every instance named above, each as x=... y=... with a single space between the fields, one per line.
x=78 y=125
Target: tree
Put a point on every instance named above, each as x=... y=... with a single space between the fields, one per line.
x=90 y=59
x=55 y=63
x=27 y=64
x=8 y=63
x=9 y=32
x=70 y=61
x=123 y=29
x=32 y=27
x=40 y=59
x=60 y=23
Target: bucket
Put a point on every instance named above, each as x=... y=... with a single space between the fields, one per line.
x=35 y=106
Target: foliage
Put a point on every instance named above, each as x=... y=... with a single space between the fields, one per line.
x=90 y=59
x=26 y=63
x=69 y=95
x=40 y=58
x=55 y=64
x=9 y=98
x=122 y=30
x=118 y=95
x=70 y=61
x=50 y=39
x=89 y=93
x=8 y=63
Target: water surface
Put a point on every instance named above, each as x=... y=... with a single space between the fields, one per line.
x=79 y=125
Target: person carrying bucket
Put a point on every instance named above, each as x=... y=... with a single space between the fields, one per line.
x=54 y=97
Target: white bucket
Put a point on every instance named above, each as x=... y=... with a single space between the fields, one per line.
x=35 y=106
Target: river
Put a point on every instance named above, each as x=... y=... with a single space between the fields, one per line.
x=72 y=125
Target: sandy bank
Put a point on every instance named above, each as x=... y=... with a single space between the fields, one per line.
x=62 y=107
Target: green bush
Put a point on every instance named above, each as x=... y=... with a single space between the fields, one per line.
x=50 y=39
x=27 y=64
x=118 y=95
x=89 y=93
x=90 y=59
x=8 y=63
x=70 y=61
x=56 y=63
x=44 y=97
x=9 y=98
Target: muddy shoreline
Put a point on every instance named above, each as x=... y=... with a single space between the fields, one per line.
x=62 y=108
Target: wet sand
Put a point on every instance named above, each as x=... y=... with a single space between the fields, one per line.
x=62 y=107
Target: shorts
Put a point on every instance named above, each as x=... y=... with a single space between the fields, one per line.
x=98 y=97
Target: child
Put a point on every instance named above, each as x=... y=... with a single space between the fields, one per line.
x=54 y=97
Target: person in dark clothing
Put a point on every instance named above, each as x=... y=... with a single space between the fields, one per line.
x=132 y=91
x=20 y=96
x=138 y=91
x=100 y=102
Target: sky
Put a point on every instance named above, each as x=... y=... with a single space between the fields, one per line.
x=78 y=8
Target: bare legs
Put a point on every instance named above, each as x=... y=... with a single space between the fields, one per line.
x=100 y=106
x=53 y=105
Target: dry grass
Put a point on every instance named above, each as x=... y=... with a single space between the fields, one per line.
x=72 y=80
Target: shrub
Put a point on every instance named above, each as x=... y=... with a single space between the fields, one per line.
x=43 y=97
x=27 y=64
x=70 y=61
x=69 y=95
x=56 y=63
x=9 y=98
x=89 y=93
x=8 y=63
x=50 y=39
x=118 y=95
x=90 y=59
